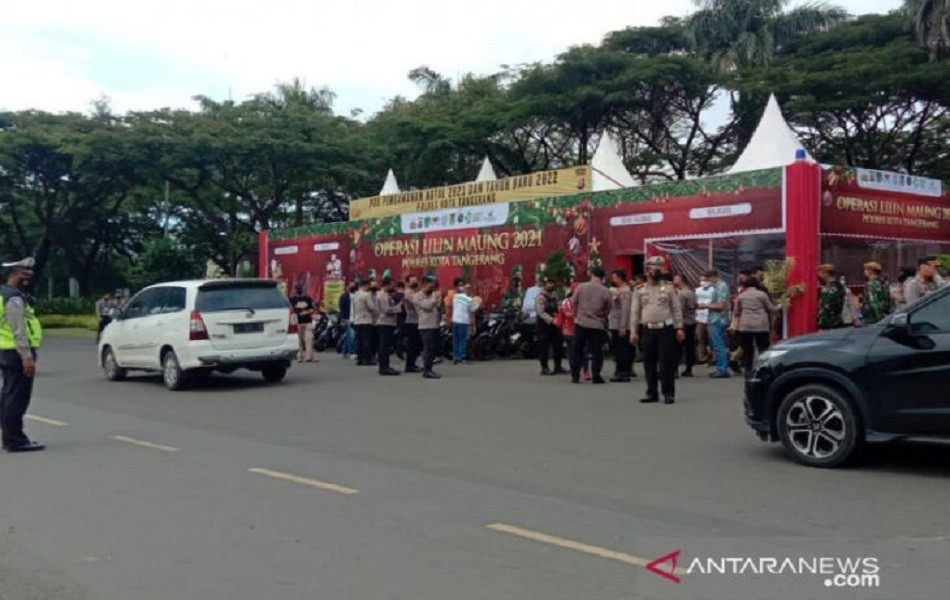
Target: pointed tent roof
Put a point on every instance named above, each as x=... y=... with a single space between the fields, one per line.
x=772 y=145
x=486 y=173
x=607 y=169
x=389 y=186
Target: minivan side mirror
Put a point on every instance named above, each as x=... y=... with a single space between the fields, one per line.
x=115 y=314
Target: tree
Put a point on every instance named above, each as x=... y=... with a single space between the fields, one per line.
x=581 y=90
x=739 y=34
x=865 y=95
x=64 y=181
x=931 y=21
x=164 y=259
x=557 y=268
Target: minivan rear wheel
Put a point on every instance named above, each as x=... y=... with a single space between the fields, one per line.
x=172 y=374
x=819 y=427
x=274 y=373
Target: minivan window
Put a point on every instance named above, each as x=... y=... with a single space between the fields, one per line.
x=174 y=300
x=239 y=297
x=143 y=304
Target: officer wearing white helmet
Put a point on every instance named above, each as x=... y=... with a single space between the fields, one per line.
x=20 y=337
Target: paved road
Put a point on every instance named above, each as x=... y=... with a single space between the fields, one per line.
x=492 y=483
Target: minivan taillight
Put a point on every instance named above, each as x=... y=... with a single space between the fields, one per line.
x=196 y=329
x=294 y=326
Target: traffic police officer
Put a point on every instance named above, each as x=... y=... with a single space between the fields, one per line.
x=20 y=337
x=656 y=307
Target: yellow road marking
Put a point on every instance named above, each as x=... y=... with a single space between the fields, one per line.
x=53 y=422
x=143 y=443
x=323 y=485
x=560 y=542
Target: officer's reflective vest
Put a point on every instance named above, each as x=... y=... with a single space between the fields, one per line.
x=34 y=331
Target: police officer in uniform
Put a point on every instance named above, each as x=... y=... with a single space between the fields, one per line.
x=20 y=337
x=387 y=310
x=364 y=303
x=549 y=334
x=413 y=339
x=427 y=304
x=656 y=307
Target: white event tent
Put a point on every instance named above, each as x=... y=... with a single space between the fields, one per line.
x=773 y=144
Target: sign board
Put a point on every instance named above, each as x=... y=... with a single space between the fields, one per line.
x=851 y=210
x=889 y=181
x=476 y=193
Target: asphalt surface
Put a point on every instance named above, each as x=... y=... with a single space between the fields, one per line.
x=491 y=483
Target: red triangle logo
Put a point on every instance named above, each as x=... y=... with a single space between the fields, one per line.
x=666 y=573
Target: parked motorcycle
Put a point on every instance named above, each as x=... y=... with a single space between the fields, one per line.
x=328 y=332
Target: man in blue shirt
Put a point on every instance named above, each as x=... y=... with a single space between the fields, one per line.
x=718 y=308
x=349 y=336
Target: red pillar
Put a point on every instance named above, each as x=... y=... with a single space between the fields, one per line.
x=802 y=242
x=263 y=260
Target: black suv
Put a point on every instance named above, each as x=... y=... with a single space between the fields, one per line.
x=825 y=395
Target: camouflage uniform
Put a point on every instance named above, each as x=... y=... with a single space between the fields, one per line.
x=877 y=301
x=831 y=305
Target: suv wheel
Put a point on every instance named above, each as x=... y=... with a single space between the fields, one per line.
x=819 y=427
x=274 y=373
x=172 y=374
x=111 y=368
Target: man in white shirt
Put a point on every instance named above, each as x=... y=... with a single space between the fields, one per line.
x=528 y=306
x=463 y=305
x=704 y=295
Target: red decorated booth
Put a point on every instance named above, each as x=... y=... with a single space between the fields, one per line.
x=730 y=222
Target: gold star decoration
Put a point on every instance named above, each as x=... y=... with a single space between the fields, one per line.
x=594 y=246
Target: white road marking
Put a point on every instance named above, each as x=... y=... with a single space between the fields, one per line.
x=143 y=443
x=560 y=542
x=323 y=485
x=45 y=420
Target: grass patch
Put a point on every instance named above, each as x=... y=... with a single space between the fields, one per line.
x=86 y=322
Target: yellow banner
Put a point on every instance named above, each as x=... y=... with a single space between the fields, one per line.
x=520 y=187
x=332 y=290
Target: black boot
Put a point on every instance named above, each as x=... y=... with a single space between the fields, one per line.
x=545 y=370
x=431 y=375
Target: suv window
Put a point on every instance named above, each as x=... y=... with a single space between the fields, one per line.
x=174 y=300
x=255 y=296
x=934 y=317
x=143 y=304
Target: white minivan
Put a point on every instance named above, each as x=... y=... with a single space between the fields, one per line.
x=192 y=328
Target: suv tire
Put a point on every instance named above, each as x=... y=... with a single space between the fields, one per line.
x=172 y=375
x=274 y=373
x=819 y=427
x=110 y=366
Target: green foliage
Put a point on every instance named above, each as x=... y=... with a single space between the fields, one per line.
x=162 y=260
x=53 y=321
x=558 y=268
x=865 y=94
x=65 y=306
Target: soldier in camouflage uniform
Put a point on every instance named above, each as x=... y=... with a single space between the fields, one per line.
x=831 y=299
x=877 y=296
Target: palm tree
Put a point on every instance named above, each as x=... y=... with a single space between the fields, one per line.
x=931 y=20
x=748 y=33
x=739 y=34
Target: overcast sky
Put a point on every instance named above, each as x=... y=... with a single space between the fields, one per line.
x=60 y=55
